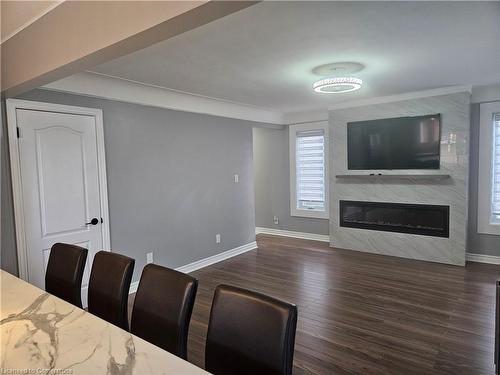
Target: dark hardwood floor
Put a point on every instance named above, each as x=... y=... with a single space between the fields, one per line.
x=362 y=313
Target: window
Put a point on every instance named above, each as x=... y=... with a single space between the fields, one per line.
x=309 y=170
x=488 y=220
x=495 y=185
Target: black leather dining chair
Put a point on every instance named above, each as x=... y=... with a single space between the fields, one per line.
x=162 y=308
x=109 y=287
x=63 y=277
x=250 y=333
x=496 y=353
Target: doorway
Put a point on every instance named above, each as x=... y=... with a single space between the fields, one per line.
x=58 y=182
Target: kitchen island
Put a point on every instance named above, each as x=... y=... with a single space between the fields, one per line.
x=42 y=334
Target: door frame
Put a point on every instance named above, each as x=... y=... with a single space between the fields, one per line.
x=12 y=106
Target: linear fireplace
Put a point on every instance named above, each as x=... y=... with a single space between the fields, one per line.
x=424 y=219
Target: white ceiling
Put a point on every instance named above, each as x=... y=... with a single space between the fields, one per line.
x=263 y=55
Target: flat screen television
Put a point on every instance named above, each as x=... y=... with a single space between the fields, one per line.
x=394 y=143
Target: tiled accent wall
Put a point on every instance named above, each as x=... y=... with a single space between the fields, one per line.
x=454 y=110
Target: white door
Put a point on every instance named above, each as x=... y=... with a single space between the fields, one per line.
x=60 y=187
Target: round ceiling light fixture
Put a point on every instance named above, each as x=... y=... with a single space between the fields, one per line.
x=337 y=85
x=344 y=68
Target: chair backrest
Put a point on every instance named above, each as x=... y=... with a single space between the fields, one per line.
x=250 y=333
x=64 y=274
x=162 y=308
x=496 y=354
x=109 y=287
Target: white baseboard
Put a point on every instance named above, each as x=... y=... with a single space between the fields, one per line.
x=207 y=261
x=470 y=257
x=481 y=258
x=217 y=258
x=289 y=233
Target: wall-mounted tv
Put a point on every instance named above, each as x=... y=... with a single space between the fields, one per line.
x=394 y=143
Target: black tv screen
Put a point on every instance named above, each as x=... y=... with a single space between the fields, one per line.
x=394 y=143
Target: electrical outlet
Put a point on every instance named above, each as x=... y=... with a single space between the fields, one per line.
x=149 y=258
x=276 y=220
x=236 y=178
x=217 y=238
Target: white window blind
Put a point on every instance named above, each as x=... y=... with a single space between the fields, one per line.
x=310 y=170
x=495 y=196
x=488 y=187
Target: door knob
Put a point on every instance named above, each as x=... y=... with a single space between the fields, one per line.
x=94 y=221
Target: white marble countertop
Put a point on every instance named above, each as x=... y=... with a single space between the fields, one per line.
x=40 y=332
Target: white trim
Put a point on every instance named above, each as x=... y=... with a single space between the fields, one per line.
x=401 y=97
x=217 y=258
x=32 y=20
x=99 y=85
x=103 y=180
x=470 y=257
x=12 y=106
x=481 y=258
x=484 y=224
x=191 y=267
x=292 y=130
x=483 y=94
x=288 y=233
x=300 y=117
x=285 y=233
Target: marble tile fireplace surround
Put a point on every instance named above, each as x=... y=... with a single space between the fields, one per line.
x=418 y=188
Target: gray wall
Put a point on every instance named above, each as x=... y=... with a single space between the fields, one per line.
x=142 y=145
x=477 y=243
x=171 y=180
x=272 y=184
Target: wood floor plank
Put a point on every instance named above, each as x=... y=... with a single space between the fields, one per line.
x=362 y=313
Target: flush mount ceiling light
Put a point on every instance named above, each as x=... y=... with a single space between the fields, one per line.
x=337 y=85
x=344 y=68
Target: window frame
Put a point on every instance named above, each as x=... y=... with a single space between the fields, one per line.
x=485 y=173
x=292 y=131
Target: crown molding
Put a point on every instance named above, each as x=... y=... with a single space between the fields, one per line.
x=321 y=114
x=103 y=86
x=402 y=97
x=316 y=115
x=484 y=94
x=108 y=87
